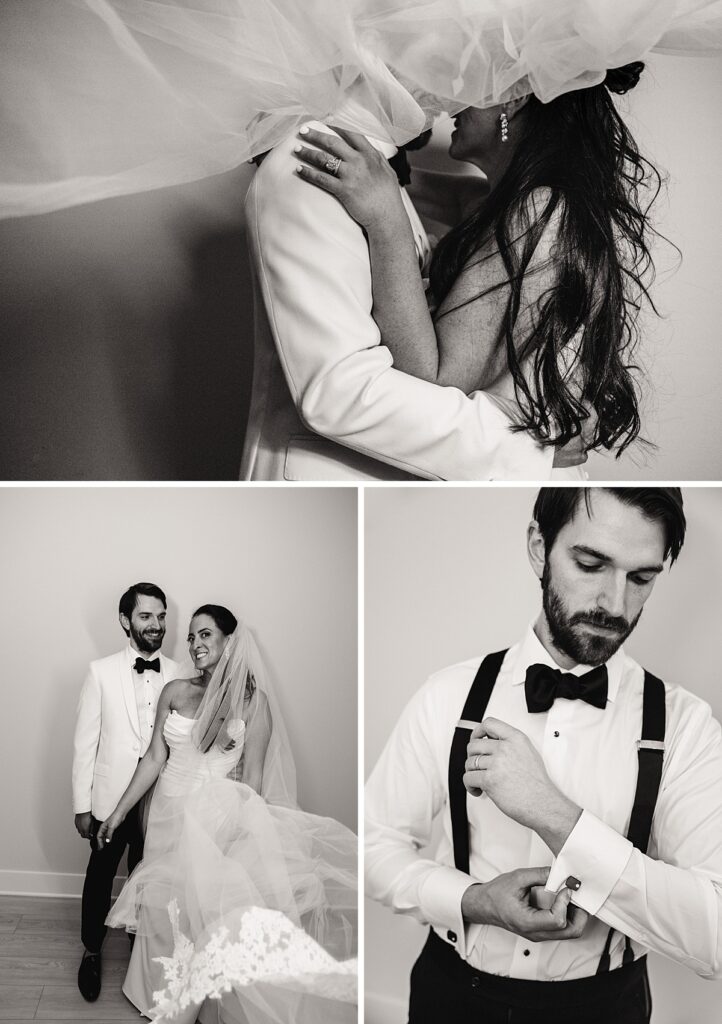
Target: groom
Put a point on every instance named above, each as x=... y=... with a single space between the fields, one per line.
x=114 y=726
x=588 y=779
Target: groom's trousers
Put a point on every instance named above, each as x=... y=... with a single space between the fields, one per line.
x=101 y=871
x=445 y=988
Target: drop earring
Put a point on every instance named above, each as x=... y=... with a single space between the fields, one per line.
x=504 y=123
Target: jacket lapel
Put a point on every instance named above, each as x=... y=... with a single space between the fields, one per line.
x=126 y=683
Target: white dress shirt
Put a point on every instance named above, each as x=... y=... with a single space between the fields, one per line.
x=668 y=901
x=147 y=686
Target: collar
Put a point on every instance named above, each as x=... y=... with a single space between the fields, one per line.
x=352 y=116
x=531 y=651
x=133 y=654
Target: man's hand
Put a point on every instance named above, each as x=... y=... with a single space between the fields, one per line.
x=506 y=902
x=502 y=762
x=574 y=452
x=83 y=823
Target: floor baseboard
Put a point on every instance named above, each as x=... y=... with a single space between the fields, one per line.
x=46 y=883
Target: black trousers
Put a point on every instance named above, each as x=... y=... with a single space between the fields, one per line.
x=101 y=870
x=445 y=988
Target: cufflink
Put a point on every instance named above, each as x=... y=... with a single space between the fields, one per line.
x=451 y=936
x=573 y=883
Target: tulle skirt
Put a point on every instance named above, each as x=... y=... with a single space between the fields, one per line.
x=244 y=913
x=105 y=97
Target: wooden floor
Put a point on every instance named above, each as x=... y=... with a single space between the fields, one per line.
x=40 y=950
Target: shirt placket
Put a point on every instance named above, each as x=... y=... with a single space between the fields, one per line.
x=528 y=957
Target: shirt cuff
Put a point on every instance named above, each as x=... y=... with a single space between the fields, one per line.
x=596 y=856
x=440 y=899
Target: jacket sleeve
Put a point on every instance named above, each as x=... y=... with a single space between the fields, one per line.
x=85 y=743
x=313 y=268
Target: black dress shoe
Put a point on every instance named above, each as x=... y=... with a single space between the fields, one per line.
x=89 y=977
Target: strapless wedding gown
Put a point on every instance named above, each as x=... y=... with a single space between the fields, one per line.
x=244 y=912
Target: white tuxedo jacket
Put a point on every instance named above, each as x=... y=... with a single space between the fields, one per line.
x=107 y=733
x=327 y=403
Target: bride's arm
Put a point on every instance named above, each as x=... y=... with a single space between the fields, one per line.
x=459 y=349
x=258 y=735
x=148 y=770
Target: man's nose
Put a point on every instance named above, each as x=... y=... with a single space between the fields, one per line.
x=612 y=598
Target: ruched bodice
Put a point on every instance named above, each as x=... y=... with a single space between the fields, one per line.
x=187 y=768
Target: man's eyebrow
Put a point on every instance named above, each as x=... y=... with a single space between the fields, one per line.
x=583 y=549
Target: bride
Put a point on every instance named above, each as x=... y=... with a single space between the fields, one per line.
x=535 y=293
x=243 y=906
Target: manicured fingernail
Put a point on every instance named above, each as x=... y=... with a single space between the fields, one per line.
x=304 y=131
x=297 y=149
x=299 y=169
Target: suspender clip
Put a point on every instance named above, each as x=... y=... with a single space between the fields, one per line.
x=650 y=745
x=464 y=723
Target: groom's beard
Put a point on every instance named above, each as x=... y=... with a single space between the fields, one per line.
x=568 y=634
x=147 y=640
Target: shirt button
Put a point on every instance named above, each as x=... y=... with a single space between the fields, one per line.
x=527 y=952
x=556 y=733
x=451 y=936
x=475 y=982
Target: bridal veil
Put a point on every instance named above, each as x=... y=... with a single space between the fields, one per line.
x=100 y=98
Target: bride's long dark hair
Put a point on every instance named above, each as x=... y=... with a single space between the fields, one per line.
x=578 y=149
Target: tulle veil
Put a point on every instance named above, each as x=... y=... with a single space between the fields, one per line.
x=240 y=690
x=101 y=98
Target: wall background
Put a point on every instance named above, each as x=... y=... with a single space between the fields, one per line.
x=128 y=323
x=285 y=561
x=447 y=578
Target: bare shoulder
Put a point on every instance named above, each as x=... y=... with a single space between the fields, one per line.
x=541 y=204
x=174 y=690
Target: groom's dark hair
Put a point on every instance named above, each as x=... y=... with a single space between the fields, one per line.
x=130 y=598
x=555 y=506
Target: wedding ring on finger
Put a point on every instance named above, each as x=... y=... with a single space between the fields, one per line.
x=332 y=165
x=476 y=762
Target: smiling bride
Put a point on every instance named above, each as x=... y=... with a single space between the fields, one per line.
x=243 y=906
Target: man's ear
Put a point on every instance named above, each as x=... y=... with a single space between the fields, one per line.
x=125 y=622
x=536 y=549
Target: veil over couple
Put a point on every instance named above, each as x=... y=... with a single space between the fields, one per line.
x=243 y=906
x=519 y=357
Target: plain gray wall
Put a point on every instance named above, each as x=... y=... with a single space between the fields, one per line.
x=283 y=560
x=447 y=578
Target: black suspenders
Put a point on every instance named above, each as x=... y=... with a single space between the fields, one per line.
x=474 y=708
x=650 y=752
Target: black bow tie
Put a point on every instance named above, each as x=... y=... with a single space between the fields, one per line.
x=543 y=685
x=141 y=665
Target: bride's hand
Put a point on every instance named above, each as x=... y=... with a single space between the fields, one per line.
x=108 y=827
x=350 y=169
